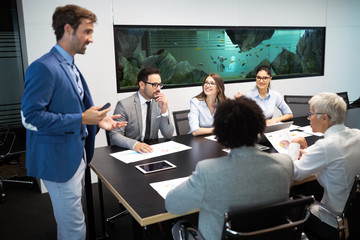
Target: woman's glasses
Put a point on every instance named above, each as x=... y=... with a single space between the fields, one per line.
x=212 y=84
x=264 y=79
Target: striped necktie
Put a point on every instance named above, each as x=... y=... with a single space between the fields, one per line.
x=78 y=81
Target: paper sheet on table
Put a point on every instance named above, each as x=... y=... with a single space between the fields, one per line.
x=298 y=134
x=164 y=187
x=280 y=140
x=212 y=138
x=308 y=129
x=159 y=149
x=261 y=147
x=294 y=127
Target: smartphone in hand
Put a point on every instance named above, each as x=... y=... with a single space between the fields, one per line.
x=107 y=105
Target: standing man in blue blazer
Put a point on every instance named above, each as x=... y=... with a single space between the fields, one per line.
x=61 y=121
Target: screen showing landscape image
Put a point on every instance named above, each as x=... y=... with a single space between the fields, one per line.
x=185 y=55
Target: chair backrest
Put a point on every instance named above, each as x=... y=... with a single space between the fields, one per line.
x=298 y=104
x=344 y=95
x=355 y=104
x=181 y=122
x=351 y=211
x=107 y=133
x=7 y=140
x=282 y=220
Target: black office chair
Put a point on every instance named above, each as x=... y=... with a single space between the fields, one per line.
x=349 y=220
x=298 y=104
x=7 y=140
x=10 y=150
x=107 y=134
x=181 y=122
x=284 y=220
x=123 y=211
x=355 y=104
x=344 y=95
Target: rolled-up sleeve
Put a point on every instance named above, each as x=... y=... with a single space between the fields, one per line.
x=311 y=162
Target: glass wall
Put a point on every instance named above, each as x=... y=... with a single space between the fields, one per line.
x=11 y=64
x=185 y=55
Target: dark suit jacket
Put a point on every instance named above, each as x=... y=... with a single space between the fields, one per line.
x=52 y=113
x=130 y=111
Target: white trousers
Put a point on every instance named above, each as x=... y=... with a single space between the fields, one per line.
x=67 y=206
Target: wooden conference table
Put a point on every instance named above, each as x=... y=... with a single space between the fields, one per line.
x=132 y=188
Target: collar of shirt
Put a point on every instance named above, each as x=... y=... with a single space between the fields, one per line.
x=334 y=129
x=203 y=104
x=142 y=99
x=69 y=59
x=257 y=94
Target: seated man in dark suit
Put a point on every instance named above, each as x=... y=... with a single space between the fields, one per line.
x=245 y=177
x=134 y=110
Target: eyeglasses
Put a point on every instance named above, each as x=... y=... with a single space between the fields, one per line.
x=264 y=79
x=310 y=114
x=155 y=85
x=212 y=84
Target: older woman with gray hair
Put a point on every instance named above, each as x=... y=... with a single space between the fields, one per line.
x=334 y=160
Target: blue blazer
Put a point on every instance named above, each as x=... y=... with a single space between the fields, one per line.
x=52 y=113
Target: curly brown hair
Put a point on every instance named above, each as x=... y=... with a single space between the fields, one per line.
x=238 y=122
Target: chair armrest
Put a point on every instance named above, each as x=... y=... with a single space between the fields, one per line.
x=339 y=218
x=327 y=209
x=271 y=229
x=183 y=230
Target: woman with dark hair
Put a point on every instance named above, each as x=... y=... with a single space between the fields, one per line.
x=268 y=99
x=203 y=105
x=245 y=177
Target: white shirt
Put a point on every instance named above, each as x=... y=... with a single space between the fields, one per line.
x=143 y=114
x=200 y=115
x=335 y=160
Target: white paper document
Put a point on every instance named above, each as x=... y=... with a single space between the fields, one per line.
x=165 y=186
x=261 y=147
x=299 y=134
x=280 y=140
x=160 y=149
x=212 y=138
x=294 y=127
x=308 y=129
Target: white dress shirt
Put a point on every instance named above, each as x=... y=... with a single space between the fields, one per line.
x=335 y=161
x=143 y=114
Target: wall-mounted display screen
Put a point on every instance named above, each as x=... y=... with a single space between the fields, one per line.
x=185 y=55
